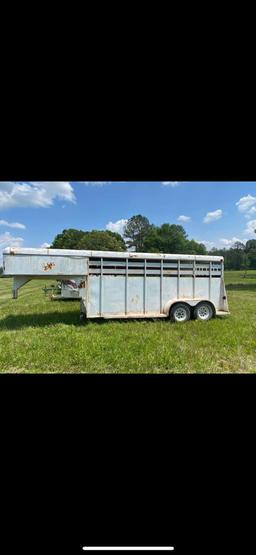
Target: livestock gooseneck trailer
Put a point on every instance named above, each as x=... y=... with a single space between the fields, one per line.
x=128 y=284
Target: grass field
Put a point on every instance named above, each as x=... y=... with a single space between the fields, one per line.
x=38 y=335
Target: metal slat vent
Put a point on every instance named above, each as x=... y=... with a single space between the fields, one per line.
x=113 y=266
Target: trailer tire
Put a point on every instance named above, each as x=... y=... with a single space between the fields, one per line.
x=180 y=313
x=203 y=311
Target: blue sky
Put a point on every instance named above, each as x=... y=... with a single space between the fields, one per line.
x=32 y=213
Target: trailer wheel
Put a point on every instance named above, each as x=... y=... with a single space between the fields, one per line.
x=180 y=312
x=203 y=311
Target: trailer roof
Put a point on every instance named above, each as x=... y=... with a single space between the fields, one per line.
x=109 y=254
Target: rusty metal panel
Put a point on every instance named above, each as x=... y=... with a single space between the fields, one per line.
x=44 y=265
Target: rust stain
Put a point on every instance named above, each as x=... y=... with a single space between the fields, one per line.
x=81 y=285
x=49 y=266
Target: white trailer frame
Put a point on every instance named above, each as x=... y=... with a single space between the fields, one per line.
x=125 y=284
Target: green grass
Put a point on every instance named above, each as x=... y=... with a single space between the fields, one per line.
x=38 y=335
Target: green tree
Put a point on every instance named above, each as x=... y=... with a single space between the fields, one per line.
x=89 y=240
x=250 y=249
x=245 y=264
x=234 y=259
x=250 y=245
x=68 y=239
x=1 y=270
x=239 y=246
x=195 y=248
x=140 y=234
x=136 y=231
x=102 y=241
x=168 y=238
x=237 y=258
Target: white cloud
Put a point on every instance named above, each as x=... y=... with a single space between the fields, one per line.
x=208 y=244
x=8 y=240
x=246 y=203
x=250 y=227
x=99 y=183
x=251 y=211
x=212 y=216
x=170 y=183
x=34 y=193
x=184 y=218
x=117 y=227
x=221 y=243
x=14 y=225
x=230 y=242
x=45 y=246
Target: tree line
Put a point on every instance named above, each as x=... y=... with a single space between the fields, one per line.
x=142 y=236
x=240 y=256
x=138 y=235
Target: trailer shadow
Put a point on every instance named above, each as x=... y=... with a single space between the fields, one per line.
x=16 y=322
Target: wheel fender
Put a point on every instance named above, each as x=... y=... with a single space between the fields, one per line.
x=171 y=302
